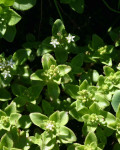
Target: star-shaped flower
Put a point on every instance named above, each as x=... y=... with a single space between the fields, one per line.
x=49 y=126
x=54 y=42
x=70 y=38
x=10 y=63
x=6 y=73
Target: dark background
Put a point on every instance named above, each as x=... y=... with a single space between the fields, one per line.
x=96 y=19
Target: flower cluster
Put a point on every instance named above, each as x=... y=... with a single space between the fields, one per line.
x=5 y=67
x=52 y=73
x=85 y=96
x=69 y=38
x=50 y=125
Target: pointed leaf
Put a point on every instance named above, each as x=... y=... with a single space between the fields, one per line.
x=61 y=55
x=18 y=89
x=39 y=119
x=97 y=42
x=6 y=140
x=77 y=62
x=14 y=117
x=38 y=75
x=63 y=69
x=116 y=100
x=58 y=27
x=90 y=138
x=72 y=90
x=10 y=109
x=21 y=55
x=14 y=17
x=108 y=70
x=10 y=33
x=24 y=122
x=47 y=61
x=53 y=90
x=4 y=95
x=66 y=135
x=59 y=117
x=83 y=85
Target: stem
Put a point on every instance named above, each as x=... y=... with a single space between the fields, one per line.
x=55 y=1
x=110 y=7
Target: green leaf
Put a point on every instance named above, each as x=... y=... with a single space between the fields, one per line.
x=53 y=90
x=63 y=69
x=14 y=117
x=34 y=91
x=101 y=100
x=6 y=140
x=74 y=147
x=47 y=61
x=7 y=2
x=118 y=112
x=24 y=122
x=97 y=42
x=94 y=108
x=20 y=101
x=116 y=100
x=66 y=135
x=108 y=70
x=77 y=114
x=60 y=117
x=4 y=95
x=18 y=89
x=91 y=137
x=118 y=137
x=38 y=119
x=2 y=113
x=10 y=33
x=44 y=47
x=38 y=75
x=61 y=55
x=77 y=62
x=33 y=108
x=24 y=5
x=10 y=109
x=108 y=117
x=47 y=108
x=114 y=34
x=72 y=90
x=48 y=141
x=58 y=27
x=77 y=5
x=14 y=17
x=117 y=145
x=95 y=76
x=83 y=85
x=5 y=148
x=101 y=80
x=21 y=55
x=3 y=28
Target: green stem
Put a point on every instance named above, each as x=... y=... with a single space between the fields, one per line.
x=110 y=7
x=55 y=1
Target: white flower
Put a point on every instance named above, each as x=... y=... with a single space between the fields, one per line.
x=10 y=63
x=54 y=42
x=50 y=126
x=70 y=38
x=2 y=65
x=6 y=74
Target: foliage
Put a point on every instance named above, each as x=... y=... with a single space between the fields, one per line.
x=47 y=87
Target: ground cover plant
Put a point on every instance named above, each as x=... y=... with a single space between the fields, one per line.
x=59 y=75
